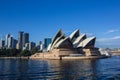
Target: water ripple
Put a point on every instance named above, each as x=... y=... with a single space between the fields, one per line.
x=101 y=69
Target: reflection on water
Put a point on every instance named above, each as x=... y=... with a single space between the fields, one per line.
x=71 y=70
x=102 y=69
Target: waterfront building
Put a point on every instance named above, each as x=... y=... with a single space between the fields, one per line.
x=40 y=46
x=2 y=43
x=20 y=40
x=26 y=47
x=47 y=41
x=32 y=45
x=74 y=46
x=17 y=45
x=6 y=40
x=14 y=43
x=10 y=42
x=29 y=46
x=25 y=39
x=73 y=41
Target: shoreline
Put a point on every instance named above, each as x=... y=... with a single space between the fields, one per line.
x=63 y=58
x=72 y=58
x=14 y=57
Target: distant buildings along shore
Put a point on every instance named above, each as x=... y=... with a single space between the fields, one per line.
x=23 y=42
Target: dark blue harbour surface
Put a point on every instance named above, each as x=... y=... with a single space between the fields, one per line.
x=23 y=69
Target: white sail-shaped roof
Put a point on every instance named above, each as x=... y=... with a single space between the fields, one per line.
x=74 y=35
x=79 y=39
x=48 y=48
x=73 y=41
x=58 y=34
x=64 y=43
x=57 y=40
x=85 y=42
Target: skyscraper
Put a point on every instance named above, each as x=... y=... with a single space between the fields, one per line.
x=10 y=42
x=47 y=41
x=6 y=40
x=2 y=43
x=32 y=45
x=14 y=43
x=20 y=39
x=25 y=39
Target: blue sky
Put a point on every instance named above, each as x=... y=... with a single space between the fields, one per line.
x=43 y=18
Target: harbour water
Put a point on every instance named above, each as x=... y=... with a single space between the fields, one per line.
x=28 y=69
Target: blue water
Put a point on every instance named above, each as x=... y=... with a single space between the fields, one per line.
x=100 y=69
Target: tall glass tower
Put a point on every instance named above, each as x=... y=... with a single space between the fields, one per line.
x=47 y=41
x=20 y=39
x=25 y=39
x=7 y=40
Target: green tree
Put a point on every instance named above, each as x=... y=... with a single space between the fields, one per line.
x=9 y=52
x=25 y=53
x=34 y=50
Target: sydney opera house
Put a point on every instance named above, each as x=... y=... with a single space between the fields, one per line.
x=75 y=45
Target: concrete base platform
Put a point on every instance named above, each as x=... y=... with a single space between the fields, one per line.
x=85 y=57
x=61 y=54
x=70 y=58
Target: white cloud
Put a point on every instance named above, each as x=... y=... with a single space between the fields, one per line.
x=116 y=37
x=108 y=39
x=102 y=39
x=112 y=31
x=89 y=34
x=109 y=42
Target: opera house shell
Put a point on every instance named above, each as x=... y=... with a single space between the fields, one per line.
x=74 y=46
x=74 y=40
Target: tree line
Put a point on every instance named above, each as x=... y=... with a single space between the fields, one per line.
x=16 y=52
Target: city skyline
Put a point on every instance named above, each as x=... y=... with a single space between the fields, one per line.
x=41 y=19
x=22 y=38
x=23 y=43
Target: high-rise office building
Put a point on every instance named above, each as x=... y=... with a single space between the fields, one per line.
x=6 y=40
x=31 y=45
x=25 y=39
x=14 y=43
x=26 y=47
x=2 y=43
x=40 y=46
x=47 y=41
x=20 y=40
x=40 y=42
x=10 y=42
